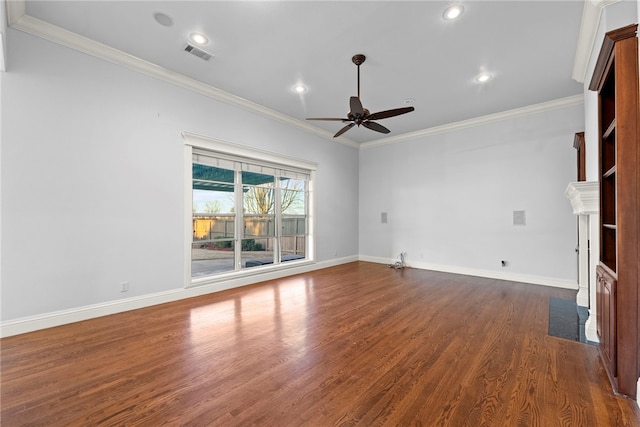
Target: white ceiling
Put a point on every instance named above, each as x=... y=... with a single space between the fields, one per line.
x=262 y=49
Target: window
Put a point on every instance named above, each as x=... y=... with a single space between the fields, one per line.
x=213 y=219
x=250 y=210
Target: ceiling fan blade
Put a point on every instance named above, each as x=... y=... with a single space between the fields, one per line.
x=333 y=119
x=389 y=113
x=375 y=126
x=344 y=129
x=356 y=106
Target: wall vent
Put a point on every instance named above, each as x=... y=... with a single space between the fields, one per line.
x=198 y=52
x=519 y=218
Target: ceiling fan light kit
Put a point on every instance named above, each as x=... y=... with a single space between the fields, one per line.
x=358 y=115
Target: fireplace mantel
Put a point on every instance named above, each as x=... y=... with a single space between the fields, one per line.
x=584 y=197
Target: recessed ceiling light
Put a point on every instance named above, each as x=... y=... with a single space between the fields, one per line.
x=163 y=19
x=198 y=38
x=299 y=89
x=483 y=77
x=452 y=12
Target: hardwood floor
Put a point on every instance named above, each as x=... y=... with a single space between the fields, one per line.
x=357 y=344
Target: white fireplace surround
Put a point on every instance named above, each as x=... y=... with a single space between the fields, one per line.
x=584 y=197
x=585 y=200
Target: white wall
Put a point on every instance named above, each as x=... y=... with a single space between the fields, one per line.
x=92 y=178
x=450 y=198
x=92 y=186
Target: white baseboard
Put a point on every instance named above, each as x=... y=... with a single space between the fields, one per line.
x=77 y=314
x=377 y=260
x=489 y=274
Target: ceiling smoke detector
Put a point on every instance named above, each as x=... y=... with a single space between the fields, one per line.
x=198 y=52
x=163 y=19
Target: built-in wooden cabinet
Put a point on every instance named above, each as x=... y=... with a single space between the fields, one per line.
x=618 y=273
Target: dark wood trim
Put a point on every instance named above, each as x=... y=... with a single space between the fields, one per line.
x=605 y=57
x=578 y=144
x=627 y=192
x=578 y=140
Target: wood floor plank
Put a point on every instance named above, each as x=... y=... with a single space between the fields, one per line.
x=355 y=344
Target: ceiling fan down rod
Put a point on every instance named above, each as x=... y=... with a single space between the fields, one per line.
x=358 y=60
x=358 y=81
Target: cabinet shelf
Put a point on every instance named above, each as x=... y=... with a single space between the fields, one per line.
x=607 y=152
x=610 y=172
x=610 y=129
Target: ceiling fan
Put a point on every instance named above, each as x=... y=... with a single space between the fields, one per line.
x=361 y=116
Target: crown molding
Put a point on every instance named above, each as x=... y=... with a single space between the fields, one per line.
x=479 y=121
x=19 y=20
x=3 y=31
x=587 y=37
x=16 y=9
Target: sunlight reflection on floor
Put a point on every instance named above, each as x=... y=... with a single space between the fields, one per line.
x=268 y=316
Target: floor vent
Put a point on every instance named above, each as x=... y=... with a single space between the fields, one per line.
x=198 y=52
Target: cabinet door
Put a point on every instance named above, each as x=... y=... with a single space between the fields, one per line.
x=606 y=317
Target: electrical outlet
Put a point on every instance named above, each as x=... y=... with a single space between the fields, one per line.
x=124 y=287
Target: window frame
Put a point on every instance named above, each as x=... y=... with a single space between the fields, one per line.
x=238 y=153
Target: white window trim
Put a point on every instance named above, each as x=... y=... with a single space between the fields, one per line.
x=191 y=141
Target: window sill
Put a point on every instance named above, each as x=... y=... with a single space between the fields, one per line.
x=265 y=271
